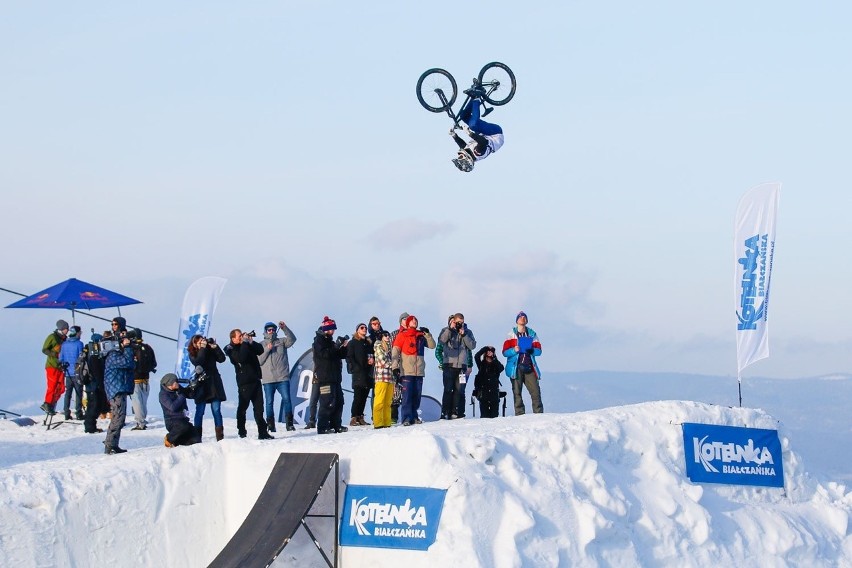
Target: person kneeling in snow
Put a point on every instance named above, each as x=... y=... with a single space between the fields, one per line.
x=173 y=401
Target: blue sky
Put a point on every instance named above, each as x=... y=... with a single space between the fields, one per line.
x=281 y=146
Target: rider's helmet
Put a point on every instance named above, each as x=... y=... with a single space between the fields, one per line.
x=464 y=161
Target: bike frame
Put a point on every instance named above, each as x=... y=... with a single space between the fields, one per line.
x=457 y=117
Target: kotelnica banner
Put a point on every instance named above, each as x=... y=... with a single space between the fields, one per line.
x=381 y=516
x=754 y=252
x=732 y=455
x=196 y=317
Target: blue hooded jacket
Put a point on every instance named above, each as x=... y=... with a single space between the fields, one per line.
x=118 y=372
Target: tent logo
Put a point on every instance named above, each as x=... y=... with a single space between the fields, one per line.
x=753 y=282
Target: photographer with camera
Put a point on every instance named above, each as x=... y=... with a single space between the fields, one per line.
x=486 y=384
x=118 y=382
x=458 y=342
x=205 y=353
x=68 y=355
x=275 y=368
x=243 y=353
x=328 y=370
x=173 y=402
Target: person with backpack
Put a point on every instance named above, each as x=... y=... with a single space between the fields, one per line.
x=118 y=381
x=53 y=372
x=69 y=353
x=91 y=368
x=146 y=363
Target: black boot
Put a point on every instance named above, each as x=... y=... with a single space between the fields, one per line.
x=198 y=432
x=270 y=424
x=310 y=425
x=289 y=419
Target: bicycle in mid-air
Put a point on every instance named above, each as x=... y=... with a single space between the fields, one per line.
x=437 y=90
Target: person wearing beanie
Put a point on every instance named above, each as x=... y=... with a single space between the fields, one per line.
x=384 y=382
x=397 y=389
x=275 y=373
x=243 y=352
x=457 y=343
x=53 y=372
x=96 y=403
x=359 y=364
x=328 y=370
x=173 y=402
x=520 y=350
x=409 y=367
x=118 y=383
x=69 y=353
x=146 y=364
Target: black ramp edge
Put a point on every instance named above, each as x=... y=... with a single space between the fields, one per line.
x=286 y=498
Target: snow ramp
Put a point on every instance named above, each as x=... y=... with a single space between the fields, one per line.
x=285 y=501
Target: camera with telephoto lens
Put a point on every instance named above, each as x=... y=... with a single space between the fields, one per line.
x=342 y=339
x=198 y=377
x=459 y=325
x=250 y=333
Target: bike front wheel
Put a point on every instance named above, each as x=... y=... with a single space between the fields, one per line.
x=436 y=90
x=499 y=83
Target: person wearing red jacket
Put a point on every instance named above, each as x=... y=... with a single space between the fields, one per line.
x=409 y=366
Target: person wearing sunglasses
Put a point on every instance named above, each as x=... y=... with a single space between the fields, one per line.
x=275 y=369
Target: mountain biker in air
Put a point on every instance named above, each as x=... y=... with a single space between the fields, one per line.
x=486 y=138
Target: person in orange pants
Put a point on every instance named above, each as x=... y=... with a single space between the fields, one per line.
x=53 y=370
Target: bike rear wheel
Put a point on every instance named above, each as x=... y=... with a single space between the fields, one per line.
x=499 y=83
x=436 y=90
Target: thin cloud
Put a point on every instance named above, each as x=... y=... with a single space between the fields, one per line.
x=405 y=233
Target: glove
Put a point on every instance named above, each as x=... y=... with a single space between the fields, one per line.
x=395 y=374
x=424 y=330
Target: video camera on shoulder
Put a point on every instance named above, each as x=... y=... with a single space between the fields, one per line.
x=109 y=345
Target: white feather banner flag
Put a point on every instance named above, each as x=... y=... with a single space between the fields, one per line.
x=196 y=317
x=754 y=253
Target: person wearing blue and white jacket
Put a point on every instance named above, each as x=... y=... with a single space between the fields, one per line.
x=69 y=352
x=520 y=350
x=118 y=383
